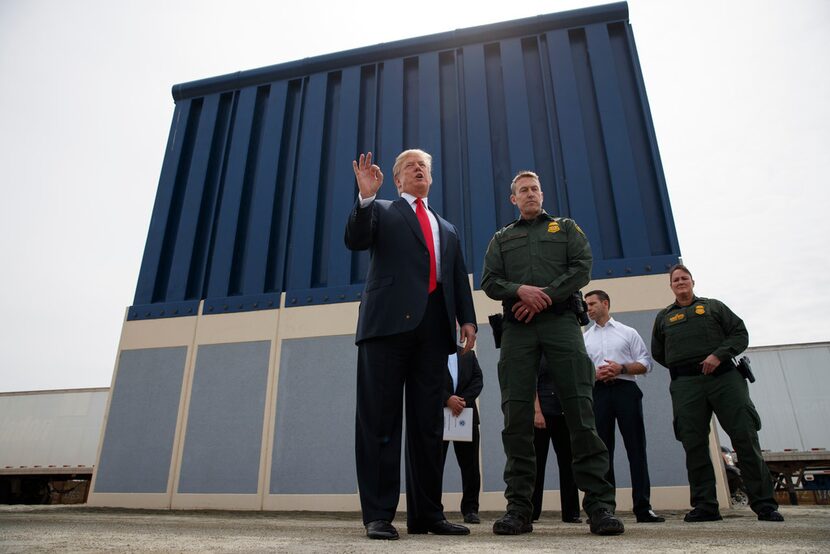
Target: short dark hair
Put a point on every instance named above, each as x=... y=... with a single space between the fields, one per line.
x=521 y=175
x=602 y=296
x=679 y=267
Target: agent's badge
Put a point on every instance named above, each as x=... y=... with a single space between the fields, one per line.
x=553 y=227
x=700 y=309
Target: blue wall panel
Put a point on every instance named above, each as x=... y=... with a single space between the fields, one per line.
x=257 y=184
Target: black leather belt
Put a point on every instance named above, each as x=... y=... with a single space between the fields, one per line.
x=692 y=370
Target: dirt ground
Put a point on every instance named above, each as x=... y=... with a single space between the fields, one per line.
x=84 y=529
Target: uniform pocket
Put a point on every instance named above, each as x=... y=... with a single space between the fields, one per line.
x=675 y=428
x=515 y=251
x=753 y=416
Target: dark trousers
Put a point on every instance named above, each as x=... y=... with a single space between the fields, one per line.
x=415 y=363
x=693 y=401
x=555 y=431
x=622 y=402
x=467 y=455
x=559 y=337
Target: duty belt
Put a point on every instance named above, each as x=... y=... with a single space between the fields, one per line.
x=694 y=369
x=557 y=308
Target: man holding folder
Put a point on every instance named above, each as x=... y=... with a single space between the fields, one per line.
x=463 y=385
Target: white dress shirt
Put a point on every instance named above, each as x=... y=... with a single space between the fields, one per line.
x=452 y=364
x=617 y=342
x=433 y=223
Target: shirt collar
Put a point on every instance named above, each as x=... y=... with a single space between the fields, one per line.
x=676 y=305
x=610 y=323
x=411 y=200
x=541 y=217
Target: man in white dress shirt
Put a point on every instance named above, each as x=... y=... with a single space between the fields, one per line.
x=619 y=356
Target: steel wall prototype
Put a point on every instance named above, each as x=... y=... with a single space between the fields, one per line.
x=217 y=391
x=257 y=183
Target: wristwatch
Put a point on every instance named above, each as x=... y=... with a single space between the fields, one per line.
x=624 y=369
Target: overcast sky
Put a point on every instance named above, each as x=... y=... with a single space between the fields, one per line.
x=738 y=91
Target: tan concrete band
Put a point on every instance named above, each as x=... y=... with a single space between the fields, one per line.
x=141 y=501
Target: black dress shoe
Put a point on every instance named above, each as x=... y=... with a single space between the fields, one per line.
x=472 y=517
x=604 y=522
x=571 y=519
x=442 y=527
x=512 y=523
x=381 y=529
x=649 y=517
x=770 y=514
x=698 y=515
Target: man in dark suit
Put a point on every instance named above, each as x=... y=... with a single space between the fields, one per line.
x=417 y=288
x=463 y=385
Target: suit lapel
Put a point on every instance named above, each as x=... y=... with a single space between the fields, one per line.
x=411 y=219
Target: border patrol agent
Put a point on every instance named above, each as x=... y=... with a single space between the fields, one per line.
x=696 y=338
x=535 y=265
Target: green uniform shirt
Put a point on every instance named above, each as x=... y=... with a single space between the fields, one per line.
x=688 y=334
x=549 y=252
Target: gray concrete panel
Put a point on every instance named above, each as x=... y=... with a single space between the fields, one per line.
x=492 y=421
x=315 y=417
x=224 y=426
x=138 y=441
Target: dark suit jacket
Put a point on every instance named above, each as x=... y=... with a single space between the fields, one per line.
x=395 y=298
x=470 y=382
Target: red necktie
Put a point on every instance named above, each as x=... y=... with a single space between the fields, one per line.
x=426 y=229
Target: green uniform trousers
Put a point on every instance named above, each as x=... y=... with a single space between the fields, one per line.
x=522 y=344
x=693 y=401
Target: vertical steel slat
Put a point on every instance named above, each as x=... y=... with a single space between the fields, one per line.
x=390 y=115
x=429 y=124
x=306 y=185
x=193 y=201
x=264 y=191
x=622 y=172
x=161 y=207
x=572 y=137
x=480 y=159
x=228 y=221
x=344 y=183
x=515 y=103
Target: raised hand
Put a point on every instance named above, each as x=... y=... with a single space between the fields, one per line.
x=369 y=176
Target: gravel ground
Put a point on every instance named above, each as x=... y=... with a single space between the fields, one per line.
x=84 y=529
